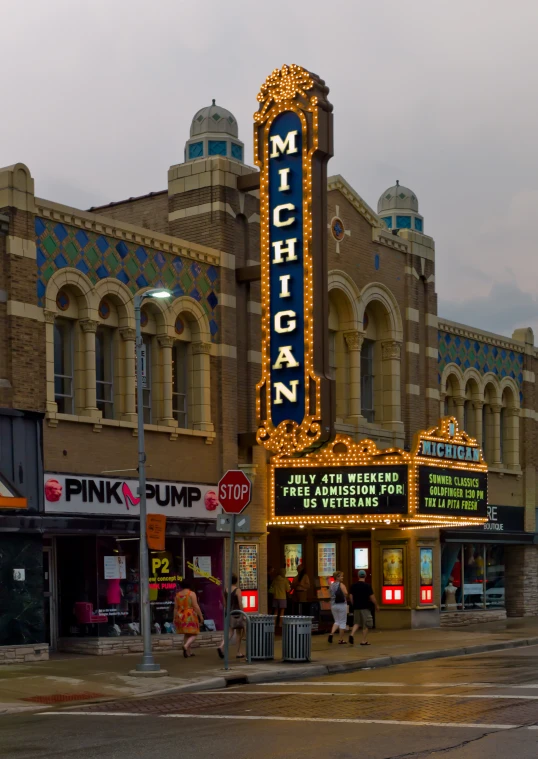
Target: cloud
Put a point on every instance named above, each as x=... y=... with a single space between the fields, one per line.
x=505 y=308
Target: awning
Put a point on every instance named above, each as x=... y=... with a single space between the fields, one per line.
x=10 y=498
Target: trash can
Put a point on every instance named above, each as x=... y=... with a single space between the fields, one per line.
x=296 y=638
x=260 y=637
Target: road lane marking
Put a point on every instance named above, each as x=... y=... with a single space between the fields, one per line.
x=374 y=695
x=346 y=721
x=94 y=714
x=330 y=720
x=355 y=684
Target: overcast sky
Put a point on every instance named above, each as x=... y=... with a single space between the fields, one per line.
x=440 y=94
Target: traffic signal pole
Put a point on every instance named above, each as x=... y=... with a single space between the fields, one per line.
x=229 y=596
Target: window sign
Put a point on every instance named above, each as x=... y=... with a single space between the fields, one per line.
x=326 y=559
x=248 y=567
x=293 y=556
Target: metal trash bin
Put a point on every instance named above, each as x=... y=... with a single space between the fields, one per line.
x=296 y=638
x=260 y=637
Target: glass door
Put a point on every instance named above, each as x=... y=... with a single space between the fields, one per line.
x=49 y=596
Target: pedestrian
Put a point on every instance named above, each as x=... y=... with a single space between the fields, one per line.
x=187 y=616
x=338 y=607
x=280 y=587
x=362 y=596
x=237 y=621
x=300 y=587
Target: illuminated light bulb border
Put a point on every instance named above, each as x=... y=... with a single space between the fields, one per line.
x=302 y=436
x=366 y=453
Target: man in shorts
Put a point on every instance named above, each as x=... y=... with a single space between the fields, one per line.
x=362 y=596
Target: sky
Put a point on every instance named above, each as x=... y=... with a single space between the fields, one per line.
x=440 y=94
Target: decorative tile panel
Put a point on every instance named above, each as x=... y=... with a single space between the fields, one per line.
x=99 y=256
x=484 y=357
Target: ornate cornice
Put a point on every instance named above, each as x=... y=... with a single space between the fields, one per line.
x=471 y=333
x=128 y=232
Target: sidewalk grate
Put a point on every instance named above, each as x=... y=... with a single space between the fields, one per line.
x=60 y=698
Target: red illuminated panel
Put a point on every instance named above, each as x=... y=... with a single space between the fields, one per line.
x=250 y=600
x=426 y=594
x=393 y=595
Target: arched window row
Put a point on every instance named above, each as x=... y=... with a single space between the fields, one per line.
x=488 y=409
x=365 y=339
x=91 y=355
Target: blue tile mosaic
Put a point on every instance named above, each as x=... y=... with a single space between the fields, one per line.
x=98 y=256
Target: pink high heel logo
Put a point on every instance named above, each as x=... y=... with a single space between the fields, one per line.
x=128 y=496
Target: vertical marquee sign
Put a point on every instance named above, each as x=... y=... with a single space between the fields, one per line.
x=292 y=145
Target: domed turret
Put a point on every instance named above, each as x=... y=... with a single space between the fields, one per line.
x=398 y=207
x=214 y=132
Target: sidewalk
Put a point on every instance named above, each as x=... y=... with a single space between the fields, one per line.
x=68 y=679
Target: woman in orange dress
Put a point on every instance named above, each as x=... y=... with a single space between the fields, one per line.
x=187 y=616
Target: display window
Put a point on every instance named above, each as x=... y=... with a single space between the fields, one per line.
x=472 y=576
x=326 y=559
x=99 y=583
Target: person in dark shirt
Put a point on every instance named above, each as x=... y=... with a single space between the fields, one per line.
x=361 y=595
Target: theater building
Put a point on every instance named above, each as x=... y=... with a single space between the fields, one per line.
x=392 y=368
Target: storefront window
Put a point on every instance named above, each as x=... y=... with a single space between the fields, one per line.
x=205 y=567
x=472 y=576
x=99 y=583
x=494 y=576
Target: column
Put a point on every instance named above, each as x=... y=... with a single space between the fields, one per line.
x=354 y=340
x=52 y=406
x=511 y=442
x=166 y=343
x=459 y=403
x=392 y=404
x=442 y=405
x=89 y=328
x=200 y=387
x=128 y=336
x=496 y=457
x=478 y=409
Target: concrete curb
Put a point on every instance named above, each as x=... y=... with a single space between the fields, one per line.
x=318 y=670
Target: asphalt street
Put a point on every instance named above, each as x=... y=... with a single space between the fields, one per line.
x=480 y=707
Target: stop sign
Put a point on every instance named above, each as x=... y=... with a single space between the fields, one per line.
x=235 y=491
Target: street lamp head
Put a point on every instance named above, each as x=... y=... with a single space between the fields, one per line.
x=158 y=292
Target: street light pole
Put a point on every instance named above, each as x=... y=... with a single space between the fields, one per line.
x=148 y=663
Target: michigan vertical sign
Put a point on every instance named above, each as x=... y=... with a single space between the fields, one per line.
x=292 y=144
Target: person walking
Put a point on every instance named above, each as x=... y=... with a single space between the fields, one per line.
x=362 y=596
x=187 y=616
x=300 y=587
x=237 y=622
x=280 y=588
x=339 y=596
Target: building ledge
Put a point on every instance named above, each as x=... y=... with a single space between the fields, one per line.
x=54 y=419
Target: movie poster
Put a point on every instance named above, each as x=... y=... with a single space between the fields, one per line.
x=426 y=566
x=393 y=566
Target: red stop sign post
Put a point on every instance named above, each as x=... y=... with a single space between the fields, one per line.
x=235 y=491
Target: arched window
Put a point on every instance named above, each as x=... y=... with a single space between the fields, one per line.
x=104 y=371
x=509 y=429
x=64 y=366
x=180 y=383
x=380 y=366
x=490 y=433
x=147 y=377
x=339 y=322
x=367 y=380
x=470 y=416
